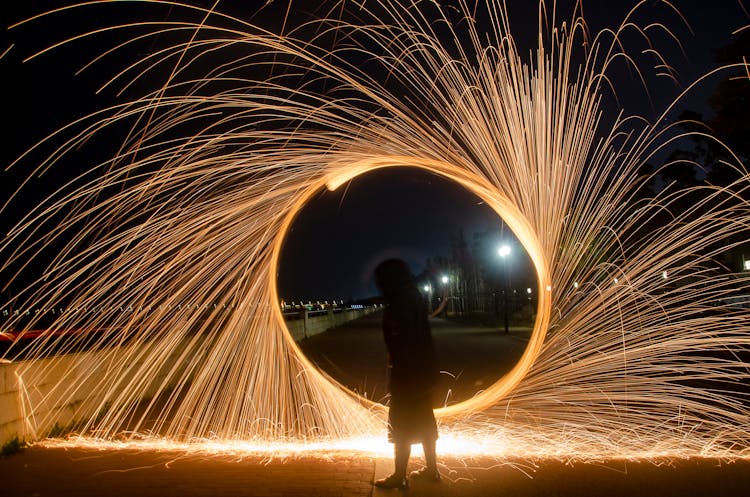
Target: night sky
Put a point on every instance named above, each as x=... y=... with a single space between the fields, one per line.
x=336 y=242
x=398 y=212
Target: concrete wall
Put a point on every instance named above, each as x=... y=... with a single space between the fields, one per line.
x=309 y=324
x=18 y=391
x=25 y=384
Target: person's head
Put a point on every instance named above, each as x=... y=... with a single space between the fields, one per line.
x=393 y=278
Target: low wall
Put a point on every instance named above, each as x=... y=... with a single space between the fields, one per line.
x=312 y=323
x=24 y=384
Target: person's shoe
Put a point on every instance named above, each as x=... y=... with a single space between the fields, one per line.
x=425 y=474
x=392 y=481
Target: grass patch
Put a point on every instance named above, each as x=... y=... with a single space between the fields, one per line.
x=59 y=431
x=13 y=446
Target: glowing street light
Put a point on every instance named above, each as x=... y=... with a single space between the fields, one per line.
x=428 y=290
x=445 y=279
x=504 y=251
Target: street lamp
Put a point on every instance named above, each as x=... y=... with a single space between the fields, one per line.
x=428 y=290
x=504 y=251
x=444 y=279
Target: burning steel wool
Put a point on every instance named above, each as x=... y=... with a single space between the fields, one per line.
x=236 y=127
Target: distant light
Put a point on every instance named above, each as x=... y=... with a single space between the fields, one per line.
x=665 y=275
x=504 y=250
x=427 y=288
x=528 y=290
x=747 y=265
x=444 y=279
x=616 y=281
x=575 y=284
x=549 y=288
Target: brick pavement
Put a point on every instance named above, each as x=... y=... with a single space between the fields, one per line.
x=55 y=471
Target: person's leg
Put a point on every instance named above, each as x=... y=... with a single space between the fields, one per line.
x=402 y=451
x=430 y=454
x=430 y=471
x=401 y=459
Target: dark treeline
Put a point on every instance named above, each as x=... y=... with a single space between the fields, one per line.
x=480 y=284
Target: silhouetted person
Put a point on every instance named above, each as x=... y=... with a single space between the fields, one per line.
x=413 y=372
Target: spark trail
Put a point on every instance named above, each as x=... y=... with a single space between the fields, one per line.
x=235 y=127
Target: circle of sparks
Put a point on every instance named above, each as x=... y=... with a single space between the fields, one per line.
x=165 y=253
x=504 y=208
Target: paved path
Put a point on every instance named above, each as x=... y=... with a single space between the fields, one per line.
x=80 y=472
x=474 y=356
x=471 y=357
x=43 y=472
